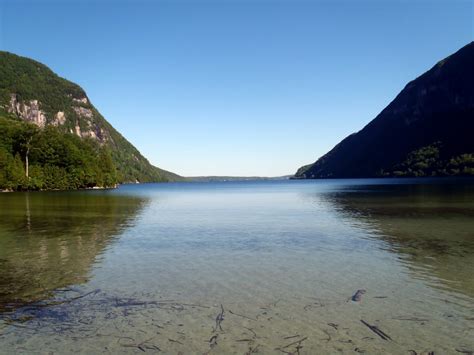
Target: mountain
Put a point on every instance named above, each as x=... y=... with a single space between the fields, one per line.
x=32 y=93
x=427 y=130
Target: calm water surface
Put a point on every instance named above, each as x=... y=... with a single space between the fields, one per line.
x=240 y=267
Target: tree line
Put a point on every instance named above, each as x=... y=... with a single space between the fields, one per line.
x=47 y=159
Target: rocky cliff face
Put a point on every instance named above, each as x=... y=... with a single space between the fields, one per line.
x=83 y=120
x=30 y=91
x=426 y=130
x=28 y=111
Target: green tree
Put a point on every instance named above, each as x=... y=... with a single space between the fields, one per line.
x=24 y=141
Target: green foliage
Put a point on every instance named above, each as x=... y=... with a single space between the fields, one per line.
x=30 y=80
x=461 y=165
x=56 y=160
x=427 y=161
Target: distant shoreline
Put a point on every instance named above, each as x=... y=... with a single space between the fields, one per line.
x=223 y=179
x=234 y=178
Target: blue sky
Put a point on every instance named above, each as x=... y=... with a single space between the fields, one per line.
x=235 y=87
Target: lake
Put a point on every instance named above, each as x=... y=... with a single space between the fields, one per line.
x=240 y=267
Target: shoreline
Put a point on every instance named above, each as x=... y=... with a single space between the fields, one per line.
x=47 y=190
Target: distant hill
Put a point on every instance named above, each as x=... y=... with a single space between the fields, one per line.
x=427 y=130
x=234 y=178
x=30 y=92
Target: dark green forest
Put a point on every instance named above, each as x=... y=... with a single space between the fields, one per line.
x=430 y=161
x=427 y=130
x=47 y=159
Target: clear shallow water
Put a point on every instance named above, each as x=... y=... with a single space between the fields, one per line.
x=252 y=267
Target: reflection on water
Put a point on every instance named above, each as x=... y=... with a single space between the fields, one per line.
x=254 y=267
x=51 y=240
x=430 y=227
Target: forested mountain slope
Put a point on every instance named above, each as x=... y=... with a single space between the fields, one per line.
x=31 y=93
x=427 y=130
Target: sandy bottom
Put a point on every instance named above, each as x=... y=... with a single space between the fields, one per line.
x=244 y=315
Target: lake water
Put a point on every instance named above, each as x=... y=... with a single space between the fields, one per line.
x=240 y=267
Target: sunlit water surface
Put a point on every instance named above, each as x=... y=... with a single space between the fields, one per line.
x=240 y=267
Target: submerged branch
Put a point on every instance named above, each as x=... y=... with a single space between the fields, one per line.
x=376 y=330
